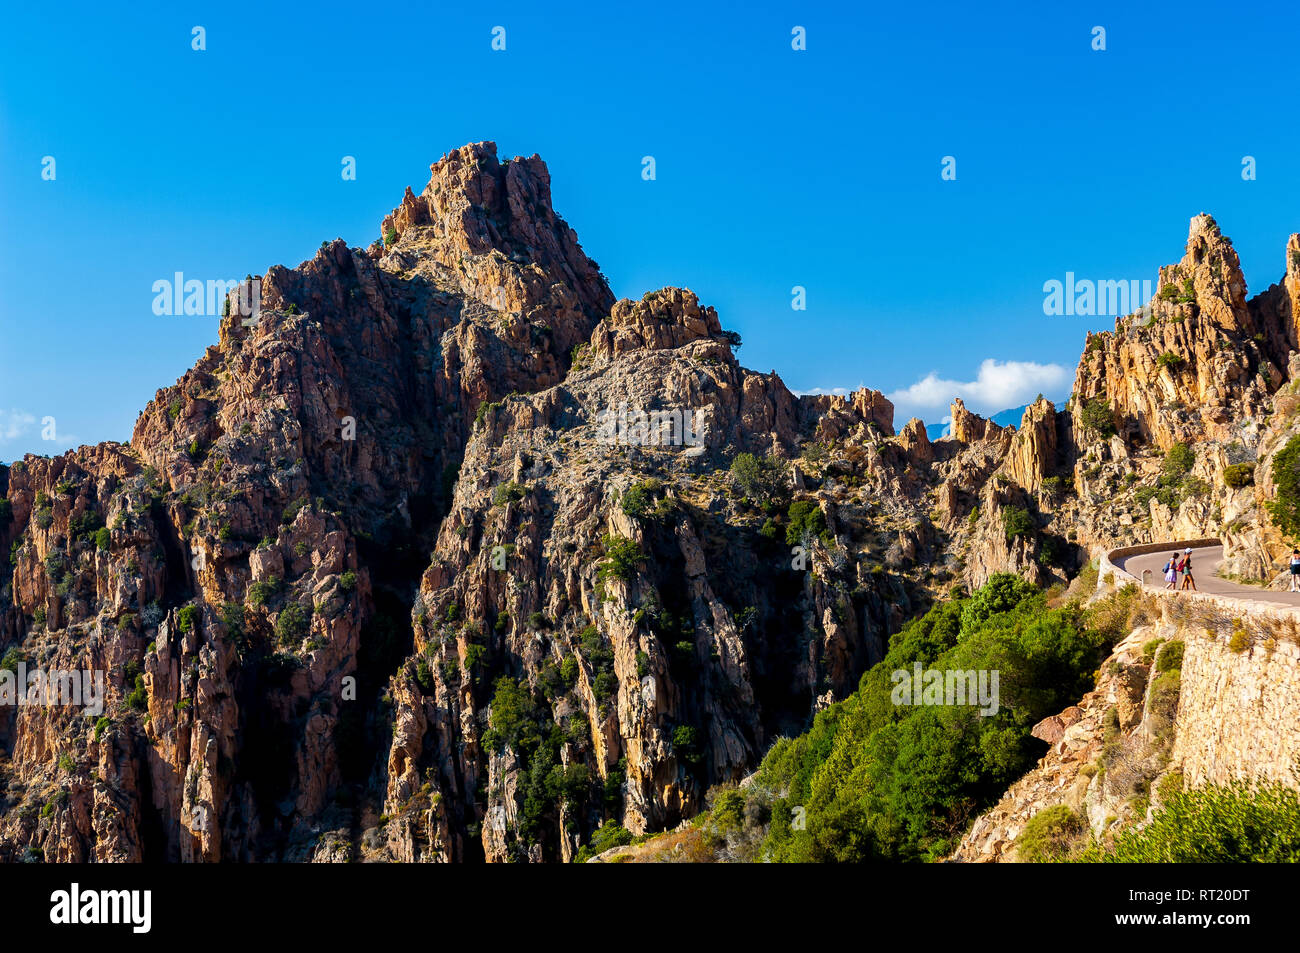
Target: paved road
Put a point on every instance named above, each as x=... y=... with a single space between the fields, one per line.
x=1205 y=563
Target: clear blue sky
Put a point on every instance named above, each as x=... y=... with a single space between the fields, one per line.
x=775 y=168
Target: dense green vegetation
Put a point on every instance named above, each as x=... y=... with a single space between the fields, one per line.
x=1232 y=823
x=521 y=721
x=1285 y=510
x=875 y=780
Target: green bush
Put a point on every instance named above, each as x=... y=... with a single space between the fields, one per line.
x=390 y=236
x=609 y=835
x=291 y=511
x=569 y=670
x=1179 y=461
x=756 y=477
x=348 y=581
x=728 y=811
x=1096 y=415
x=1170 y=657
x=139 y=697
x=806 y=520
x=1170 y=360
x=259 y=593
x=1050 y=835
x=1017 y=521
x=1232 y=824
x=1285 y=509
x=686 y=744
x=508 y=493
x=188 y=617
x=292 y=623
x=638 y=499
x=102 y=538
x=621 y=558
x=1237 y=475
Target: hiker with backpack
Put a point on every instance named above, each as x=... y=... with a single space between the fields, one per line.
x=1295 y=570
x=1171 y=571
x=1185 y=567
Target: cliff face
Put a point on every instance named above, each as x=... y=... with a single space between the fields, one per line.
x=1198 y=364
x=246 y=555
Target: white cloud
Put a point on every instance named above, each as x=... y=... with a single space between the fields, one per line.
x=835 y=391
x=998 y=385
x=14 y=423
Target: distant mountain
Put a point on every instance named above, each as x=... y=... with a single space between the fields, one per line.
x=1012 y=416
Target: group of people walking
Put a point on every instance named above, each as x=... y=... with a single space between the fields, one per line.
x=1182 y=565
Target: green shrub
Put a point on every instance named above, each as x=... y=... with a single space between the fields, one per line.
x=508 y=493
x=1233 y=823
x=292 y=623
x=188 y=617
x=1285 y=509
x=806 y=520
x=1170 y=657
x=1016 y=521
x=638 y=499
x=1179 y=461
x=756 y=477
x=102 y=538
x=1050 y=835
x=348 y=581
x=390 y=236
x=1237 y=475
x=609 y=835
x=728 y=811
x=1170 y=360
x=291 y=511
x=621 y=558
x=139 y=697
x=569 y=670
x=686 y=744
x=259 y=593
x=1097 y=416
x=424 y=676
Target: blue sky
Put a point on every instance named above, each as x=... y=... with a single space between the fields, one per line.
x=775 y=168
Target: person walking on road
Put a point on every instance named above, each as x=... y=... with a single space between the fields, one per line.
x=1295 y=570
x=1186 y=567
x=1171 y=571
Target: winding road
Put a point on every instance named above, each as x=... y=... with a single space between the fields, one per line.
x=1205 y=563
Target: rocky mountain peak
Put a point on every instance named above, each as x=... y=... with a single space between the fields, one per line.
x=661 y=320
x=490 y=226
